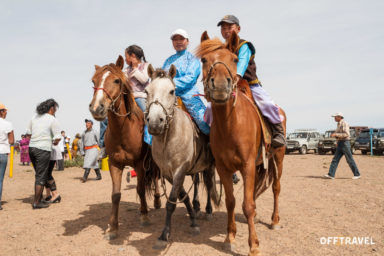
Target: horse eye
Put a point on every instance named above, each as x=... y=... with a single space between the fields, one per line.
x=204 y=60
x=236 y=60
x=172 y=92
x=117 y=81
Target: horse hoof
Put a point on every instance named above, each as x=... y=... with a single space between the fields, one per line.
x=254 y=252
x=195 y=231
x=229 y=247
x=208 y=216
x=199 y=215
x=157 y=205
x=110 y=236
x=144 y=220
x=275 y=227
x=160 y=245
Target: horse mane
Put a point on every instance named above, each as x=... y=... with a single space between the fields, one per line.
x=128 y=96
x=209 y=46
x=160 y=73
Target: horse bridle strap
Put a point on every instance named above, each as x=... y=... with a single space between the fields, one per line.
x=112 y=105
x=168 y=116
x=210 y=73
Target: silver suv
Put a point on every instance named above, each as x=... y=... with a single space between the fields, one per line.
x=303 y=140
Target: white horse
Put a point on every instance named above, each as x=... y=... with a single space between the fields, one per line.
x=178 y=147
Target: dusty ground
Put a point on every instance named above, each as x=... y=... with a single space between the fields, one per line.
x=310 y=208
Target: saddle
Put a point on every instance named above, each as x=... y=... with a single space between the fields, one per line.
x=243 y=86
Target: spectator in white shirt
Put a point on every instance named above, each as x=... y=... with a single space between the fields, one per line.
x=6 y=138
x=44 y=128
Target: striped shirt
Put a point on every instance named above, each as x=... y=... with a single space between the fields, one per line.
x=342 y=130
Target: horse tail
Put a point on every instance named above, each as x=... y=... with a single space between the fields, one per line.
x=151 y=172
x=210 y=185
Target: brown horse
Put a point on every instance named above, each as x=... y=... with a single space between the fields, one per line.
x=124 y=136
x=236 y=137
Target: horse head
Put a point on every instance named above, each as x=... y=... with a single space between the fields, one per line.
x=161 y=99
x=110 y=84
x=219 y=67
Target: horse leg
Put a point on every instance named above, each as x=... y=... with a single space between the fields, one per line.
x=276 y=190
x=157 y=202
x=191 y=212
x=230 y=201
x=116 y=174
x=170 y=207
x=140 y=172
x=249 y=206
x=195 y=201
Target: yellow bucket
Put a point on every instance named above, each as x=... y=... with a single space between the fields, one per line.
x=104 y=164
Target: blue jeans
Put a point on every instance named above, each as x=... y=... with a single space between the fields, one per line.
x=343 y=148
x=3 y=166
x=142 y=103
x=103 y=128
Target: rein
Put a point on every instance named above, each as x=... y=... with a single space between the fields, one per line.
x=112 y=105
x=228 y=90
x=186 y=195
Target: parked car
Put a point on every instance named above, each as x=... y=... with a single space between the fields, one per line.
x=303 y=140
x=328 y=144
x=378 y=142
x=363 y=142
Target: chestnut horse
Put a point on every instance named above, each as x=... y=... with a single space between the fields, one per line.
x=123 y=138
x=236 y=137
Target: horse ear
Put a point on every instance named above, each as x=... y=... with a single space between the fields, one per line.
x=151 y=71
x=233 y=42
x=172 y=71
x=97 y=67
x=120 y=62
x=204 y=36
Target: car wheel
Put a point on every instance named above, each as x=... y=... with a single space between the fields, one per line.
x=321 y=152
x=287 y=152
x=364 y=152
x=333 y=151
x=303 y=150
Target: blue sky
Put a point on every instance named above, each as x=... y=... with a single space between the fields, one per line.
x=313 y=57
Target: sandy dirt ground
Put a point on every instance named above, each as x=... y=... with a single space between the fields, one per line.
x=310 y=208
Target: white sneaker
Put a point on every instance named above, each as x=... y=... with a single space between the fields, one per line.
x=356 y=177
x=329 y=177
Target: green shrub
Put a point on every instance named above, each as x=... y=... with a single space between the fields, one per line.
x=75 y=162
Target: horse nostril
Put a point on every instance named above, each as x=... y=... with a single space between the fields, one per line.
x=229 y=80
x=90 y=105
x=102 y=105
x=161 y=120
x=213 y=82
x=148 y=119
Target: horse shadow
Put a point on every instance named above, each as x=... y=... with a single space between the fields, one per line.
x=98 y=215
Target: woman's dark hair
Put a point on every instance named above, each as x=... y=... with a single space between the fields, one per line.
x=137 y=50
x=45 y=106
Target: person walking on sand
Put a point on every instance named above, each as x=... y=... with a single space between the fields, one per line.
x=7 y=138
x=89 y=149
x=343 y=148
x=44 y=129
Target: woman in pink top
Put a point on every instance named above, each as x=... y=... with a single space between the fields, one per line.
x=137 y=73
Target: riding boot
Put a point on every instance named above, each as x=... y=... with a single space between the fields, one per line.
x=86 y=173
x=278 y=138
x=98 y=174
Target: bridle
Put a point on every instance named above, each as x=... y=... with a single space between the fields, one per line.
x=112 y=105
x=227 y=90
x=168 y=116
